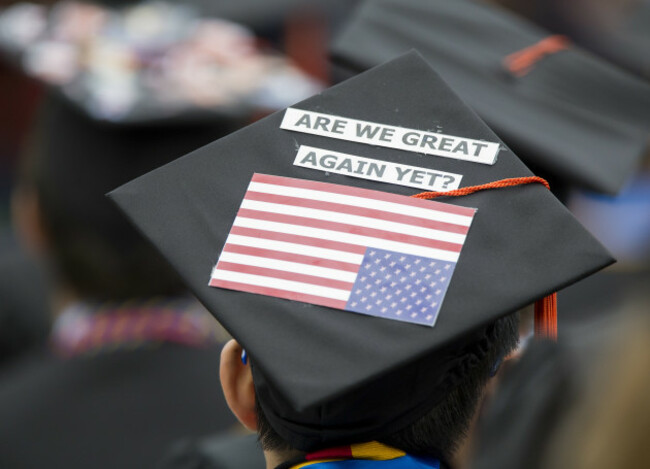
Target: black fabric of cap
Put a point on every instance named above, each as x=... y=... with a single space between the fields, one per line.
x=573 y=116
x=326 y=376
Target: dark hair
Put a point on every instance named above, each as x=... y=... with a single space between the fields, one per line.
x=441 y=430
x=73 y=161
x=117 y=264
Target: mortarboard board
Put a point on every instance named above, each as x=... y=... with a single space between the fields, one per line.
x=567 y=113
x=616 y=31
x=323 y=375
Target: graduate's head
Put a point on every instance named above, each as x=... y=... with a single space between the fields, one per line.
x=437 y=432
x=366 y=313
x=60 y=201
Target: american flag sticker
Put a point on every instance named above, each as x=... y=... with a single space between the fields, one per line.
x=358 y=250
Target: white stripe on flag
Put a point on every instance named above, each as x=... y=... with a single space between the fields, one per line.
x=349 y=238
x=323 y=272
x=293 y=248
x=328 y=215
x=287 y=285
x=364 y=202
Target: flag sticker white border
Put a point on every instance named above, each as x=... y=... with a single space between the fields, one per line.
x=389 y=136
x=376 y=170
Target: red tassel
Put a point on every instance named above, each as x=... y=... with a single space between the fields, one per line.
x=546 y=308
x=546 y=317
x=521 y=62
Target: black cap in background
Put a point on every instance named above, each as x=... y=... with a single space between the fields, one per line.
x=73 y=161
x=569 y=115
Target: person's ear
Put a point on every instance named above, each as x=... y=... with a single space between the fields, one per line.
x=237 y=384
x=27 y=220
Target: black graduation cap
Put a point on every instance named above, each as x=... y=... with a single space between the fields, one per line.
x=324 y=375
x=81 y=157
x=616 y=31
x=85 y=157
x=565 y=112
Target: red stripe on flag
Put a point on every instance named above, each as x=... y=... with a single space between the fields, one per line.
x=366 y=193
x=289 y=295
x=284 y=275
x=360 y=211
x=297 y=239
x=286 y=256
x=350 y=229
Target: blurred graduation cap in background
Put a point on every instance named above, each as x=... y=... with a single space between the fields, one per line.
x=617 y=31
x=260 y=15
x=129 y=90
x=150 y=61
x=73 y=159
x=102 y=270
x=306 y=210
x=570 y=116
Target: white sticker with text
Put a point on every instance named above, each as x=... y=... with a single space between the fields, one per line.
x=376 y=170
x=371 y=133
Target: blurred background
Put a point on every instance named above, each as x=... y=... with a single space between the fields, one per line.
x=136 y=65
x=159 y=65
x=105 y=359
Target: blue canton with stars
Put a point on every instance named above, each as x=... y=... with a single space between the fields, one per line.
x=400 y=286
